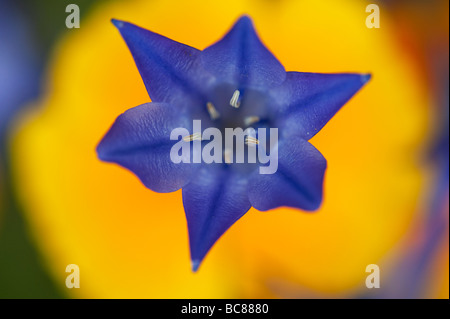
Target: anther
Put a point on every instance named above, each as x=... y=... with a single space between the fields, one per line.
x=193 y=137
x=249 y=140
x=226 y=156
x=234 y=102
x=249 y=120
x=212 y=111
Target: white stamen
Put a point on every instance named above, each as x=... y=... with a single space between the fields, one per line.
x=226 y=156
x=193 y=137
x=249 y=140
x=234 y=102
x=249 y=120
x=212 y=111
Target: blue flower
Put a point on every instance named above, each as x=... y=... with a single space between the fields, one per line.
x=186 y=84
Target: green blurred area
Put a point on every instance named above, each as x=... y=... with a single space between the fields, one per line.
x=48 y=18
x=22 y=271
x=22 y=274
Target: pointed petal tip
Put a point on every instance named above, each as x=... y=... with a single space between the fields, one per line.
x=244 y=22
x=102 y=156
x=100 y=152
x=117 y=23
x=103 y=151
x=365 y=77
x=245 y=19
x=313 y=207
x=195 y=264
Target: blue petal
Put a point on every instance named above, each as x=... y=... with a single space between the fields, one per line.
x=213 y=201
x=241 y=58
x=298 y=181
x=139 y=140
x=307 y=101
x=167 y=67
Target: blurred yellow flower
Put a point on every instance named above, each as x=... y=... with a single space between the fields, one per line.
x=131 y=242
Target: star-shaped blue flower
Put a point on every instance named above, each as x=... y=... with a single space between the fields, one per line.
x=186 y=84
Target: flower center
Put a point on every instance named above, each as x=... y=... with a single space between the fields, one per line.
x=232 y=107
x=240 y=108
